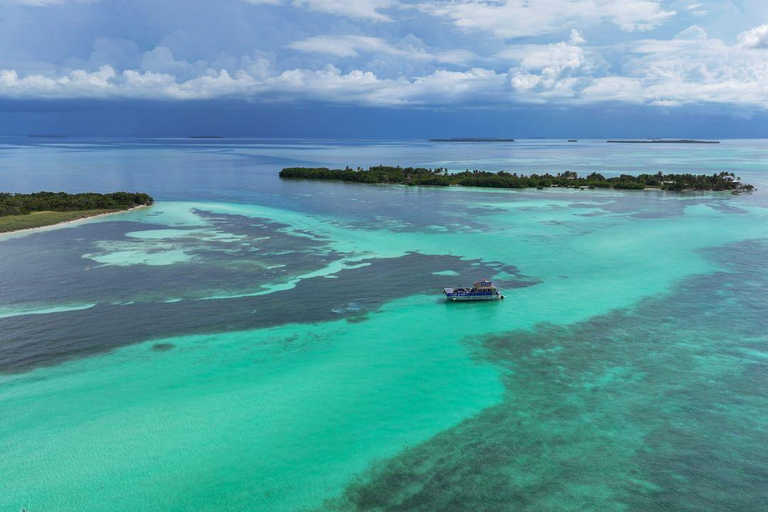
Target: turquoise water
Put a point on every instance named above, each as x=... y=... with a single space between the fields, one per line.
x=254 y=344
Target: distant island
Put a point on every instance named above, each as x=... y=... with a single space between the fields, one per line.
x=664 y=141
x=28 y=211
x=205 y=137
x=723 y=181
x=471 y=139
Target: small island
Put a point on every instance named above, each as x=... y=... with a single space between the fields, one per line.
x=664 y=141
x=723 y=181
x=29 y=211
x=471 y=139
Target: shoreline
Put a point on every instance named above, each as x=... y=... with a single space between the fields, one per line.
x=73 y=221
x=470 y=188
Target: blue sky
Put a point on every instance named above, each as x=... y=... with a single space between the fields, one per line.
x=379 y=68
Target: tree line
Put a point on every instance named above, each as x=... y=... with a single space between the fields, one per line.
x=440 y=177
x=21 y=204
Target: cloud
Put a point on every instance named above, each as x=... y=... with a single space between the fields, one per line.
x=544 y=72
x=358 y=87
x=617 y=89
x=76 y=83
x=328 y=84
x=367 y=10
x=696 y=9
x=342 y=46
x=693 y=68
x=161 y=60
x=576 y=37
x=357 y=9
x=351 y=46
x=45 y=3
x=476 y=86
x=523 y=18
x=377 y=65
x=754 y=38
x=689 y=40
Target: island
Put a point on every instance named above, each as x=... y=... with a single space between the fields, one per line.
x=664 y=141
x=205 y=137
x=471 y=139
x=723 y=181
x=29 y=211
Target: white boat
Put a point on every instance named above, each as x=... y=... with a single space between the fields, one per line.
x=481 y=290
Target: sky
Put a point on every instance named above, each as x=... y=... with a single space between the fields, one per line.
x=385 y=68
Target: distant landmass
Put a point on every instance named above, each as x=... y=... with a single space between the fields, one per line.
x=28 y=211
x=471 y=139
x=664 y=141
x=205 y=137
x=723 y=181
x=47 y=136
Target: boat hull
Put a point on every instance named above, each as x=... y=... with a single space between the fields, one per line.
x=467 y=298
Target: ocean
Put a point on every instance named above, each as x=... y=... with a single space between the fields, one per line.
x=257 y=344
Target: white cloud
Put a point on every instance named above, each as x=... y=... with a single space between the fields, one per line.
x=614 y=89
x=93 y=84
x=691 y=68
x=688 y=40
x=475 y=86
x=367 y=10
x=576 y=37
x=328 y=84
x=523 y=18
x=356 y=9
x=352 y=46
x=342 y=46
x=45 y=3
x=754 y=38
x=161 y=60
x=696 y=9
x=544 y=72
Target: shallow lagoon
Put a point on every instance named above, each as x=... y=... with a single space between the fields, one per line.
x=257 y=344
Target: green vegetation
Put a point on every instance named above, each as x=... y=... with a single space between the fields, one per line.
x=504 y=179
x=24 y=211
x=21 y=204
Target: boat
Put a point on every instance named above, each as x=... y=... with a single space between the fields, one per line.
x=481 y=290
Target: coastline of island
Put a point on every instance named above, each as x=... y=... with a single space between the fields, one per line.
x=31 y=212
x=471 y=139
x=662 y=141
x=723 y=181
